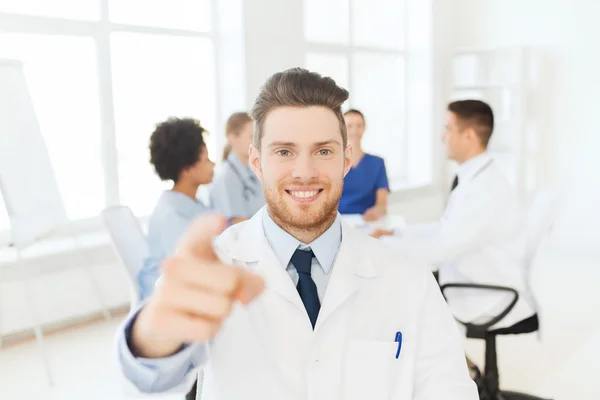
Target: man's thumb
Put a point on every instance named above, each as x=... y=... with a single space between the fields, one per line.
x=198 y=238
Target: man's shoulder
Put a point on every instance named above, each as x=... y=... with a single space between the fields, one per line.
x=228 y=239
x=375 y=159
x=232 y=233
x=494 y=176
x=494 y=188
x=165 y=210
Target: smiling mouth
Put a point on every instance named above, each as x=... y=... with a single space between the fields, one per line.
x=304 y=196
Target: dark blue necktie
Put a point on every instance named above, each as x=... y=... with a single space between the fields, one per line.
x=454 y=184
x=302 y=261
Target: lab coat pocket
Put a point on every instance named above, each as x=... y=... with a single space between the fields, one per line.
x=370 y=369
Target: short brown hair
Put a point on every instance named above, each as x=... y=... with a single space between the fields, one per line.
x=298 y=87
x=235 y=124
x=475 y=114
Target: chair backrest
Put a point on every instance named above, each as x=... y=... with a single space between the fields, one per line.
x=128 y=239
x=542 y=215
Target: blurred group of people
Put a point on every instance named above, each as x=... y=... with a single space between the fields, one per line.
x=179 y=154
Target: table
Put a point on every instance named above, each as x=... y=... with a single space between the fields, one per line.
x=389 y=222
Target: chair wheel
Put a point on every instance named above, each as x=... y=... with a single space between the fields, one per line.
x=478 y=379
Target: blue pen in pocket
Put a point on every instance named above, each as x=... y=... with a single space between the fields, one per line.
x=399 y=341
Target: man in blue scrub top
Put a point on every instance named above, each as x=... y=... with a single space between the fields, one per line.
x=366 y=186
x=178 y=153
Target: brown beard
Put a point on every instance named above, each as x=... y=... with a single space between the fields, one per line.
x=309 y=224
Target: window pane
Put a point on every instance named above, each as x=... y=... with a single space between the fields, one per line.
x=418 y=17
x=72 y=9
x=419 y=120
x=326 y=21
x=378 y=91
x=468 y=70
x=378 y=23
x=332 y=65
x=62 y=78
x=148 y=89
x=176 y=14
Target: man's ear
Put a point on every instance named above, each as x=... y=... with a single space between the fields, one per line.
x=472 y=135
x=254 y=161
x=348 y=154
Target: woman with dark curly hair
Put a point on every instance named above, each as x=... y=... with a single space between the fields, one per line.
x=179 y=154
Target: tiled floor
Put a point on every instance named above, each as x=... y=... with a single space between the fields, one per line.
x=564 y=365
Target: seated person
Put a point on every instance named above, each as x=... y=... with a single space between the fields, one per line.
x=366 y=185
x=481 y=236
x=236 y=191
x=178 y=153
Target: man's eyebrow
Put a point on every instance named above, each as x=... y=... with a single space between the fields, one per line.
x=284 y=144
x=327 y=142
x=292 y=144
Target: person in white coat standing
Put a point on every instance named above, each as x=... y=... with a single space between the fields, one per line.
x=481 y=237
x=294 y=303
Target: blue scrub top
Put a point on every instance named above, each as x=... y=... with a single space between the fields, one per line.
x=236 y=191
x=171 y=217
x=361 y=184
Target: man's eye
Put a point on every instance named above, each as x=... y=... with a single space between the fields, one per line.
x=325 y=152
x=284 y=153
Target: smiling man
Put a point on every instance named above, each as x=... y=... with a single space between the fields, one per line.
x=294 y=304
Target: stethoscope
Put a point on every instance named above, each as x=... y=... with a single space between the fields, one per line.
x=248 y=191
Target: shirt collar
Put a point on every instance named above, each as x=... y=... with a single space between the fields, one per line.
x=473 y=166
x=325 y=247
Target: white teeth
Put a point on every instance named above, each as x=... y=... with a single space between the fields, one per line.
x=305 y=195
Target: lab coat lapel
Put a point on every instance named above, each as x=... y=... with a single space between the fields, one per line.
x=277 y=318
x=253 y=249
x=351 y=270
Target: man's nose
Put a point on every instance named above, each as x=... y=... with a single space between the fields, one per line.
x=304 y=168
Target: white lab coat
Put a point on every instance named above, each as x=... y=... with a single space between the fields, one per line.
x=268 y=350
x=481 y=238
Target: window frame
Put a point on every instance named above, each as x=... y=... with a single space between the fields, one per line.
x=100 y=31
x=398 y=181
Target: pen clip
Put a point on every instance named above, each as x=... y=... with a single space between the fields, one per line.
x=399 y=341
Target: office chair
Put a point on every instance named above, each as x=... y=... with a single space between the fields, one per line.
x=488 y=383
x=540 y=221
x=129 y=242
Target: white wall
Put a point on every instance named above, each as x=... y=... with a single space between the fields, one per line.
x=563 y=34
x=274 y=40
x=58 y=287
